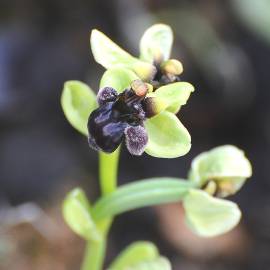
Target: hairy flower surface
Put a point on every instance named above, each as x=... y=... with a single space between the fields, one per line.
x=119 y=115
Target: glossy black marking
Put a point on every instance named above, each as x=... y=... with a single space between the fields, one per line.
x=106 y=124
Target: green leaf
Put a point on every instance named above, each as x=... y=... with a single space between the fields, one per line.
x=134 y=254
x=119 y=78
x=226 y=165
x=167 y=137
x=76 y=212
x=78 y=101
x=156 y=43
x=174 y=95
x=208 y=216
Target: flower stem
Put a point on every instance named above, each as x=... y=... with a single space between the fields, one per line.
x=141 y=194
x=94 y=255
x=108 y=169
x=95 y=251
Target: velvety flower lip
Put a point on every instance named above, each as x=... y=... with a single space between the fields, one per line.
x=120 y=116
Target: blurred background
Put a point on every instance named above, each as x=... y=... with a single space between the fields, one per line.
x=225 y=49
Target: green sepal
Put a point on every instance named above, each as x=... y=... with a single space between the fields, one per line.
x=156 y=43
x=109 y=55
x=208 y=216
x=78 y=101
x=77 y=214
x=167 y=137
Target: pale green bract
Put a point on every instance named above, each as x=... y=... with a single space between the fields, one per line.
x=167 y=137
x=156 y=41
x=226 y=165
x=208 y=216
x=76 y=212
x=134 y=254
x=78 y=101
x=118 y=78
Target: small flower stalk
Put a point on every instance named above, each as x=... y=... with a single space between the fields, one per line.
x=137 y=105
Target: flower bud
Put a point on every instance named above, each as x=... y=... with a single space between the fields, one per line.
x=172 y=66
x=226 y=166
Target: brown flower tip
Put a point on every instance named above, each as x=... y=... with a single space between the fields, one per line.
x=140 y=88
x=153 y=106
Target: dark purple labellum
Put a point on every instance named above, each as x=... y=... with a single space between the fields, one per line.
x=106 y=124
x=136 y=139
x=105 y=130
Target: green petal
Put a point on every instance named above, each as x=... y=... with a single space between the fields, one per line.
x=208 y=216
x=161 y=263
x=78 y=101
x=174 y=95
x=76 y=212
x=118 y=78
x=134 y=254
x=167 y=137
x=110 y=55
x=226 y=165
x=156 y=43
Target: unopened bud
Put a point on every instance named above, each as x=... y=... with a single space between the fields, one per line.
x=225 y=165
x=172 y=66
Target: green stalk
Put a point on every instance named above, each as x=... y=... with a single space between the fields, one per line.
x=95 y=251
x=94 y=255
x=144 y=193
x=108 y=170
